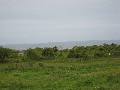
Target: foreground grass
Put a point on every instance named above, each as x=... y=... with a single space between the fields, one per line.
x=102 y=74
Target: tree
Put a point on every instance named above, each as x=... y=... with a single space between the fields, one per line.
x=32 y=54
x=5 y=53
x=48 y=53
x=73 y=54
x=99 y=54
x=55 y=49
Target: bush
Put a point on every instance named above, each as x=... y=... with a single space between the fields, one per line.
x=73 y=54
x=48 y=53
x=5 y=53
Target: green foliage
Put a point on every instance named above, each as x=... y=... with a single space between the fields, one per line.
x=34 y=54
x=80 y=52
x=48 y=53
x=71 y=74
x=102 y=51
x=55 y=49
x=5 y=53
x=73 y=54
x=99 y=54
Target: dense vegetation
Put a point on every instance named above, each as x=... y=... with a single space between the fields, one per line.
x=80 y=68
x=81 y=52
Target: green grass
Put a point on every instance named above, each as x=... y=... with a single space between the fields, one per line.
x=71 y=74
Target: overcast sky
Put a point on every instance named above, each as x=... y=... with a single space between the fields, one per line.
x=38 y=21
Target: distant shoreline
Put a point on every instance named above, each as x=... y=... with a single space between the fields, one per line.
x=64 y=45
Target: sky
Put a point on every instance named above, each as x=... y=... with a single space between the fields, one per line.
x=41 y=21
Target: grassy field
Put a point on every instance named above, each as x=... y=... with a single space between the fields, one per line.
x=71 y=74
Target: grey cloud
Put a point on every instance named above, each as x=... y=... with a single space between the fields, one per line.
x=30 y=21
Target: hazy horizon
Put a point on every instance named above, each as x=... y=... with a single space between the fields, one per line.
x=42 y=21
x=94 y=42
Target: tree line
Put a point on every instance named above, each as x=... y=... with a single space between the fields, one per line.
x=80 y=52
